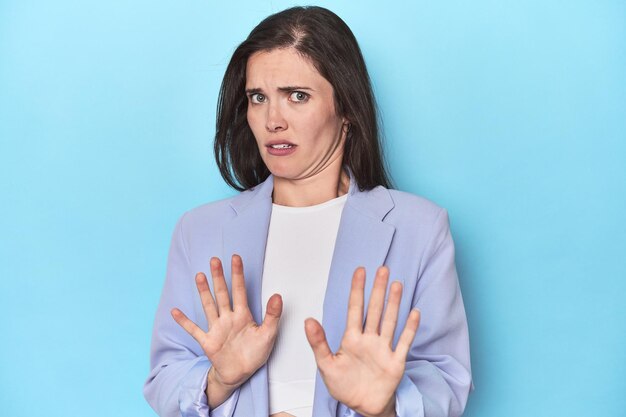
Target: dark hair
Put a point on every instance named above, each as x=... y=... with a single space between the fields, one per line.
x=325 y=39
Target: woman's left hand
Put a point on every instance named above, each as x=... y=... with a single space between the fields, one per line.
x=365 y=371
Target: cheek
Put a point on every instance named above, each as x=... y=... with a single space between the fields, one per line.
x=320 y=124
x=329 y=127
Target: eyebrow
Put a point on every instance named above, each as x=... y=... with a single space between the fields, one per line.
x=285 y=89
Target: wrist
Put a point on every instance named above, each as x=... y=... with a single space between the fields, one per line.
x=214 y=379
x=217 y=391
x=388 y=411
x=391 y=412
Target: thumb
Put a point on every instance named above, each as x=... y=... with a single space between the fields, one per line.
x=317 y=339
x=272 y=312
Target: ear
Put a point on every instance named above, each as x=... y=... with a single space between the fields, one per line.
x=346 y=125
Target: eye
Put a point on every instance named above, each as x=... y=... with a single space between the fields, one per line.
x=257 y=98
x=298 y=97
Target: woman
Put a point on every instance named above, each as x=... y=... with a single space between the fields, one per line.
x=297 y=133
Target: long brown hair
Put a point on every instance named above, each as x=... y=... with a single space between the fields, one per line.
x=325 y=39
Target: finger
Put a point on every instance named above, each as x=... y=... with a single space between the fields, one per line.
x=408 y=334
x=189 y=326
x=317 y=339
x=377 y=300
x=208 y=304
x=219 y=286
x=272 y=312
x=354 y=322
x=390 y=319
x=240 y=298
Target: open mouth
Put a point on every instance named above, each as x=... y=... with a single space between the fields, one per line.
x=281 y=146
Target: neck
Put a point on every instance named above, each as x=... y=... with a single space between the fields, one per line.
x=325 y=185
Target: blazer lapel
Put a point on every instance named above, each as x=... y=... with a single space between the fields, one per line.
x=362 y=240
x=246 y=235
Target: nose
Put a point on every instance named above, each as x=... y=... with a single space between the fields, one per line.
x=275 y=122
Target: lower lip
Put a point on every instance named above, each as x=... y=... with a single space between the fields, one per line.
x=281 y=151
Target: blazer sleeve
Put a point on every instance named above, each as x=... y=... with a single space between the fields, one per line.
x=177 y=381
x=437 y=379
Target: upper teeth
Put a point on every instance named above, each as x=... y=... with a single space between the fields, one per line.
x=281 y=146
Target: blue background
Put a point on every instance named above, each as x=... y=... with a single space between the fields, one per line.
x=512 y=115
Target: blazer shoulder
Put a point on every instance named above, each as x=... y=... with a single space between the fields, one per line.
x=206 y=216
x=418 y=221
x=212 y=216
x=217 y=212
x=414 y=206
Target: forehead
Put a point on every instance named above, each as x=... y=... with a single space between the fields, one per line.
x=281 y=67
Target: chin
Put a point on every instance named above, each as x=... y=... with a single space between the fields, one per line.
x=283 y=172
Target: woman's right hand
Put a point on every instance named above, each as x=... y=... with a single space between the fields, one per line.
x=234 y=343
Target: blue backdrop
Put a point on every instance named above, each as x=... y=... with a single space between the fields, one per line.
x=512 y=115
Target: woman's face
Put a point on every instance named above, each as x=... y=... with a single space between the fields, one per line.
x=291 y=111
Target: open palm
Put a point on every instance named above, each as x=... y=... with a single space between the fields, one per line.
x=234 y=343
x=365 y=372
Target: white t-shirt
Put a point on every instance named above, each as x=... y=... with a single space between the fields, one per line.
x=300 y=245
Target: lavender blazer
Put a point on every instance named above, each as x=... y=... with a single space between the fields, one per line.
x=407 y=233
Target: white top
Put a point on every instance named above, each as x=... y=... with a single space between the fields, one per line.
x=300 y=245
